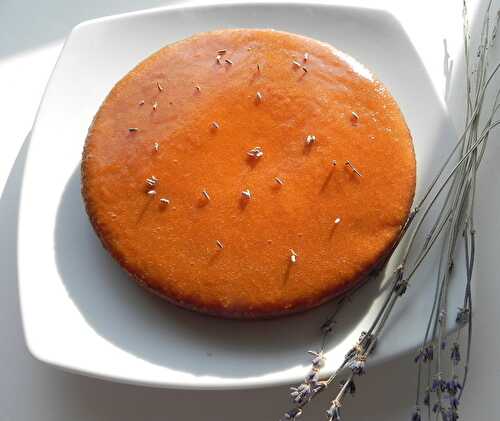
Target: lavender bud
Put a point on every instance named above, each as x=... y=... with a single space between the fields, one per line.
x=362 y=336
x=453 y=386
x=438 y=384
x=455 y=354
x=327 y=327
x=357 y=366
x=401 y=287
x=428 y=353
x=442 y=386
x=302 y=395
x=416 y=415
x=427 y=398
x=312 y=376
x=302 y=387
x=442 y=316
x=304 y=392
x=318 y=387
x=318 y=361
x=293 y=414
x=401 y=284
x=450 y=267
x=462 y=316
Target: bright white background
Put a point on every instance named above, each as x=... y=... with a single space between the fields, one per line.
x=31 y=35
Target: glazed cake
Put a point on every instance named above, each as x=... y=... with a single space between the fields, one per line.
x=248 y=173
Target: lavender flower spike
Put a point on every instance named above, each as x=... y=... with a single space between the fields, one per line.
x=438 y=384
x=455 y=354
x=312 y=377
x=416 y=415
x=302 y=393
x=453 y=386
x=358 y=366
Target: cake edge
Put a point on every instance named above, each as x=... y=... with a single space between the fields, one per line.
x=220 y=311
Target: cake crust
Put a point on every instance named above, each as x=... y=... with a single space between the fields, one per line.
x=189 y=119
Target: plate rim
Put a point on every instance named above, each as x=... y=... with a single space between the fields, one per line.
x=223 y=383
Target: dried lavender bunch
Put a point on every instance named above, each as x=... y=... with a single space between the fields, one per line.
x=453 y=194
x=444 y=387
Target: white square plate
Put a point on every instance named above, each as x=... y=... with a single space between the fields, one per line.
x=80 y=311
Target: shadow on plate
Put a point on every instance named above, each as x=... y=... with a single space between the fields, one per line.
x=161 y=333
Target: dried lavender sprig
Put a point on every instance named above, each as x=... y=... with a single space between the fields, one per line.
x=459 y=193
x=465 y=189
x=426 y=337
x=318 y=362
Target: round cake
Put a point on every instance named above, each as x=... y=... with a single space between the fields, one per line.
x=248 y=173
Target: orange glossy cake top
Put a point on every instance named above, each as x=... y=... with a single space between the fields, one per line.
x=248 y=172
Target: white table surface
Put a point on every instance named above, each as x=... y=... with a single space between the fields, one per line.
x=31 y=35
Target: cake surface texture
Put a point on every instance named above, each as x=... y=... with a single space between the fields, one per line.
x=248 y=173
